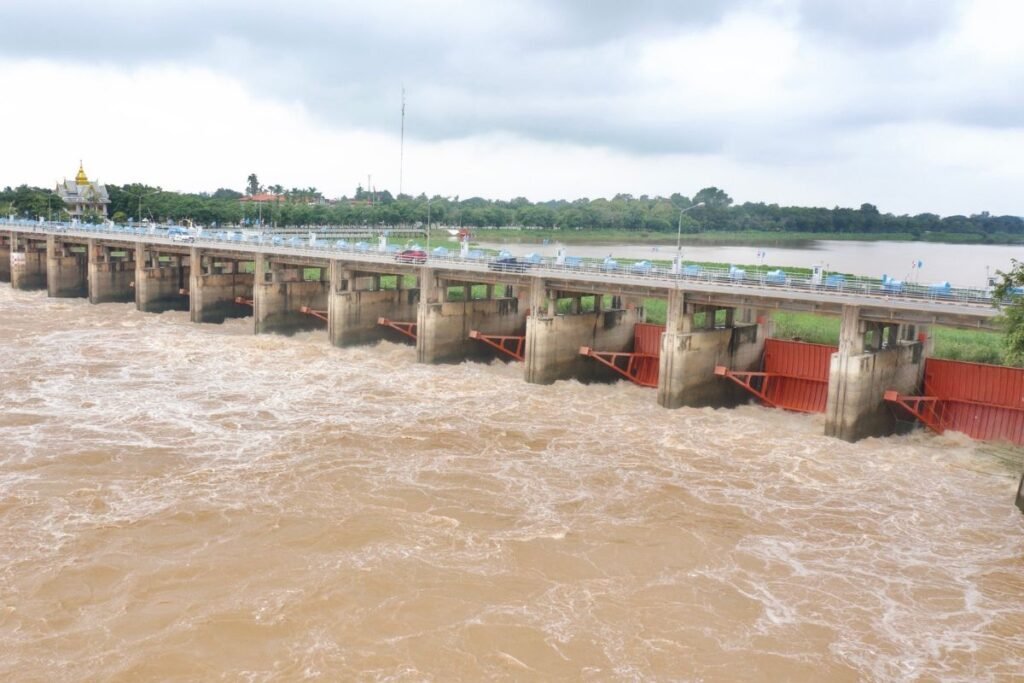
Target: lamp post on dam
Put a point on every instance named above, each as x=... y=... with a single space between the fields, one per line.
x=677 y=264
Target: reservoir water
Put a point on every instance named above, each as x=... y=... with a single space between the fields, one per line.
x=186 y=502
x=964 y=265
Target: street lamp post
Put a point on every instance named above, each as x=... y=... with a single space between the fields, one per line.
x=677 y=267
x=429 y=199
x=139 y=196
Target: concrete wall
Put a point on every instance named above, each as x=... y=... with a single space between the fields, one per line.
x=5 y=258
x=356 y=302
x=856 y=408
x=443 y=327
x=158 y=284
x=686 y=371
x=111 y=279
x=28 y=263
x=211 y=298
x=353 y=314
x=1020 y=494
x=67 y=271
x=279 y=293
x=214 y=285
x=686 y=374
x=553 y=344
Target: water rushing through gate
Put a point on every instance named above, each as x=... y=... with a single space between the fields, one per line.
x=186 y=502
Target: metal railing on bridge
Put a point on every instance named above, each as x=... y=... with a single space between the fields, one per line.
x=766 y=280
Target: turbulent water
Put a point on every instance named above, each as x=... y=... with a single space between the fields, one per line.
x=192 y=502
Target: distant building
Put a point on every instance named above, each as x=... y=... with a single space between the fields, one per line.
x=261 y=198
x=82 y=196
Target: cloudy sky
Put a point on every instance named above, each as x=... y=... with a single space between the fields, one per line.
x=913 y=105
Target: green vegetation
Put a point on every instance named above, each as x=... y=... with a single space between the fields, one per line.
x=971 y=345
x=710 y=215
x=32 y=202
x=976 y=346
x=815 y=329
x=1010 y=287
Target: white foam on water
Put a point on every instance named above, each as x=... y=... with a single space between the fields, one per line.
x=348 y=512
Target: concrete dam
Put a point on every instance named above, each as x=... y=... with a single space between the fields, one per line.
x=562 y=321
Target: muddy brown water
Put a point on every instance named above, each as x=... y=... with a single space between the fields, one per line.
x=192 y=502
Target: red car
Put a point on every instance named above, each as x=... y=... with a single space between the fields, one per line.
x=411 y=256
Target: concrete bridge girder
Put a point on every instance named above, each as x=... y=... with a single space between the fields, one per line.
x=160 y=278
x=553 y=339
x=357 y=301
x=216 y=284
x=444 y=325
x=111 y=272
x=67 y=268
x=690 y=352
x=5 y=256
x=954 y=313
x=28 y=261
x=873 y=357
x=280 y=290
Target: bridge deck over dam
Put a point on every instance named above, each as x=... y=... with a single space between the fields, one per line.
x=715 y=319
x=962 y=308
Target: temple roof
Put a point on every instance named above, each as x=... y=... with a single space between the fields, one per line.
x=81 y=189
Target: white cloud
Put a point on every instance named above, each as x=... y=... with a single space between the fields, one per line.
x=766 y=98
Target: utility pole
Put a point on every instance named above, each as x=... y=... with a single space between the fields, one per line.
x=401 y=145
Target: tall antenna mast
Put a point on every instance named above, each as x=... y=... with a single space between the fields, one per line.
x=401 y=145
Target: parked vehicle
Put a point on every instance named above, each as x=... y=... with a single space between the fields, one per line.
x=509 y=264
x=180 y=234
x=411 y=256
x=642 y=268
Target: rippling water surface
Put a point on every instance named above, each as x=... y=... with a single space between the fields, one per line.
x=192 y=502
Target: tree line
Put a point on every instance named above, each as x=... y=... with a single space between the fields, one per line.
x=708 y=210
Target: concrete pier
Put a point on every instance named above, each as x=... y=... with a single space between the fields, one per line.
x=553 y=341
x=1020 y=494
x=689 y=354
x=357 y=301
x=5 y=256
x=111 y=273
x=214 y=285
x=28 y=262
x=67 y=268
x=443 y=326
x=281 y=289
x=872 y=358
x=159 y=281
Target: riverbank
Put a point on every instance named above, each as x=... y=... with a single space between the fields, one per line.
x=746 y=238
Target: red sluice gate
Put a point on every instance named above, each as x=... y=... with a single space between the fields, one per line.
x=406 y=328
x=985 y=402
x=794 y=375
x=510 y=345
x=322 y=315
x=641 y=365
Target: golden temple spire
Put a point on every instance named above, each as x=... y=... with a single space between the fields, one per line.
x=81 y=178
